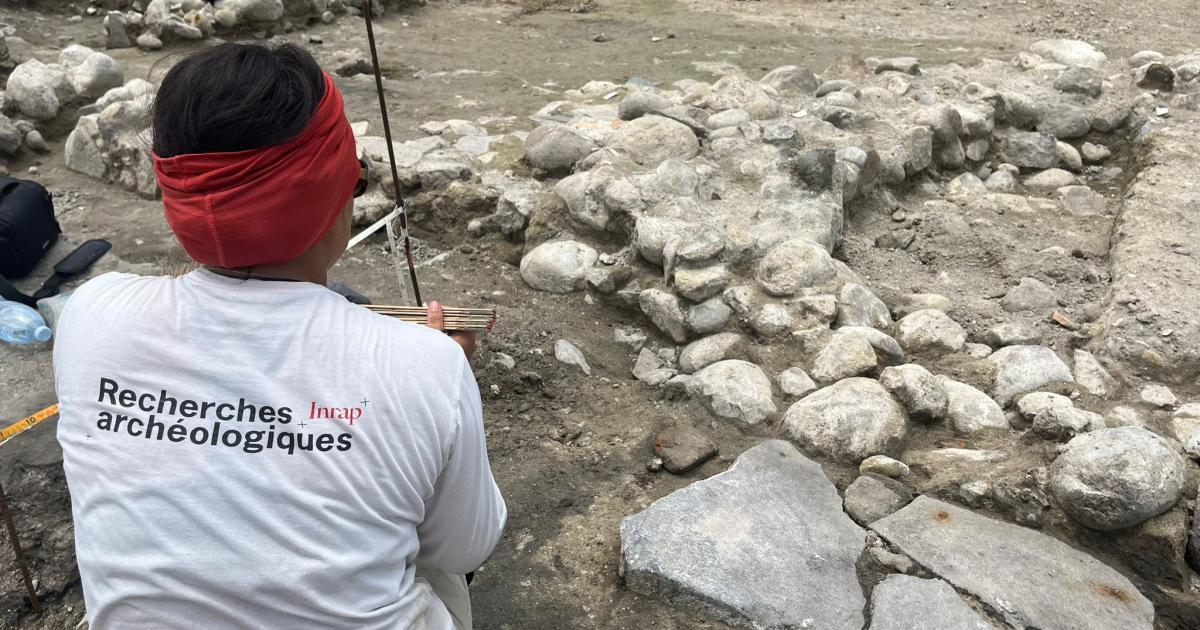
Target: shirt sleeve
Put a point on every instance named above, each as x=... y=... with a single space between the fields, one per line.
x=466 y=514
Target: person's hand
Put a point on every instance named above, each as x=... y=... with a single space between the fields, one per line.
x=437 y=321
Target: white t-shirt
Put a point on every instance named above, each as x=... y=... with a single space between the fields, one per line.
x=265 y=454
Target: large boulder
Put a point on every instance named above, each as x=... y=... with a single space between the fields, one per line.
x=90 y=73
x=764 y=544
x=36 y=87
x=556 y=148
x=558 y=267
x=735 y=389
x=112 y=145
x=1116 y=478
x=851 y=419
x=794 y=265
x=1027 y=149
x=1022 y=369
x=650 y=140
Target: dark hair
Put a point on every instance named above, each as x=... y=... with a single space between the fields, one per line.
x=234 y=97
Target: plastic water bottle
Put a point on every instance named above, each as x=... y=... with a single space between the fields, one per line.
x=21 y=325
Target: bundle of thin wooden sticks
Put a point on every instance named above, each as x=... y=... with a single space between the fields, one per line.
x=460 y=319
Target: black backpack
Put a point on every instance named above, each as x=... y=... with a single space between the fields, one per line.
x=28 y=230
x=27 y=226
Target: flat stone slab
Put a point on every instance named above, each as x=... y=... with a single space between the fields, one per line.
x=1030 y=578
x=904 y=602
x=764 y=544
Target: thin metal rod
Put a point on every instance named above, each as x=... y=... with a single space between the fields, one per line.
x=16 y=545
x=387 y=136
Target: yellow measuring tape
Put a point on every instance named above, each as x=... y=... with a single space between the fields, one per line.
x=28 y=423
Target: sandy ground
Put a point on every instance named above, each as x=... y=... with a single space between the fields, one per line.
x=569 y=452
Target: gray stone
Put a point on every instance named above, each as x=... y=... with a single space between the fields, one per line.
x=651 y=369
x=567 y=353
x=728 y=118
x=10 y=136
x=556 y=148
x=905 y=304
x=732 y=546
x=1116 y=478
x=791 y=79
x=1092 y=376
x=650 y=140
x=1124 y=416
x=930 y=330
x=438 y=168
x=1158 y=396
x=970 y=410
x=907 y=65
x=1063 y=423
x=840 y=99
x=836 y=85
x=1068 y=156
x=844 y=355
x=1027 y=149
x=256 y=10
x=815 y=168
x=921 y=393
x=653 y=234
x=794 y=265
x=1022 y=369
x=1064 y=123
x=710 y=316
x=857 y=306
x=965 y=185
x=1080 y=80
x=795 y=382
x=977 y=150
x=1034 y=403
x=702 y=283
x=1049 y=179
x=1001 y=181
x=1012 y=334
x=1029 y=295
x=883 y=465
x=706 y=351
x=115 y=35
x=887 y=349
x=1083 y=593
x=904 y=602
x=872 y=497
x=35 y=141
x=682 y=448
x=638 y=103
x=772 y=320
x=851 y=419
x=665 y=312
x=93 y=74
x=735 y=389
x=558 y=267
x=1094 y=153
x=632 y=337
x=35 y=87
x=1070 y=52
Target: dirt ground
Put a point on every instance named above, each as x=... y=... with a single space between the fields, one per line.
x=569 y=452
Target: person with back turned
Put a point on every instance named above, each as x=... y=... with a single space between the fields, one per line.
x=244 y=447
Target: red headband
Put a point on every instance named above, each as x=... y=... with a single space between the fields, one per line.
x=263 y=206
